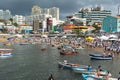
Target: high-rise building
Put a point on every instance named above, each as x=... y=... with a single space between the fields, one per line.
x=96 y=14
x=39 y=15
x=1 y=14
x=5 y=14
x=19 y=19
x=45 y=11
x=36 y=10
x=111 y=24
x=54 y=12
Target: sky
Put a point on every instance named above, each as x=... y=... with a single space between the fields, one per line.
x=66 y=7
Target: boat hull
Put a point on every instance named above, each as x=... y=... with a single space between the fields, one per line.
x=83 y=70
x=66 y=66
x=101 y=58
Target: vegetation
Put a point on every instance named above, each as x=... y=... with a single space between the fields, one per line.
x=4 y=30
x=15 y=24
x=78 y=32
x=11 y=19
x=96 y=26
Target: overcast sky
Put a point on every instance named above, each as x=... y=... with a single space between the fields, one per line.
x=66 y=7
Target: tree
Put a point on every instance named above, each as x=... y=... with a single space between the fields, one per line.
x=4 y=30
x=5 y=23
x=15 y=24
x=96 y=26
x=77 y=32
x=11 y=19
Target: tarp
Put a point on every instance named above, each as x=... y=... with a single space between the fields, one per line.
x=53 y=28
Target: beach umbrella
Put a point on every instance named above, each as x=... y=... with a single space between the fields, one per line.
x=113 y=36
x=44 y=36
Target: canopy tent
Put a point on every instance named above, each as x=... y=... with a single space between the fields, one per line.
x=103 y=38
x=89 y=38
x=64 y=36
x=78 y=27
x=44 y=36
x=54 y=28
x=113 y=36
x=83 y=30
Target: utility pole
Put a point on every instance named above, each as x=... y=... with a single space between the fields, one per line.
x=118 y=9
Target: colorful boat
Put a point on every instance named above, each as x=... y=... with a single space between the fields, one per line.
x=92 y=77
x=102 y=57
x=96 y=55
x=67 y=65
x=5 y=49
x=95 y=77
x=4 y=52
x=83 y=70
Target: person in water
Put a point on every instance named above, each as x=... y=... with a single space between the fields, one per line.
x=51 y=77
x=119 y=76
x=89 y=67
x=100 y=68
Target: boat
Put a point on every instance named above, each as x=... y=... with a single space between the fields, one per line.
x=68 y=51
x=65 y=65
x=102 y=57
x=24 y=43
x=5 y=49
x=96 y=55
x=5 y=52
x=79 y=48
x=63 y=52
x=92 y=77
x=95 y=77
x=8 y=54
x=84 y=70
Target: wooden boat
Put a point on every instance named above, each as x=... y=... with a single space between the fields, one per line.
x=83 y=70
x=64 y=65
x=101 y=57
x=79 y=48
x=96 y=55
x=68 y=52
x=23 y=43
x=43 y=49
x=92 y=77
x=5 y=49
x=5 y=52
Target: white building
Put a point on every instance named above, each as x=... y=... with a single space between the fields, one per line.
x=94 y=14
x=54 y=12
x=41 y=17
x=36 y=10
x=19 y=19
x=5 y=14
